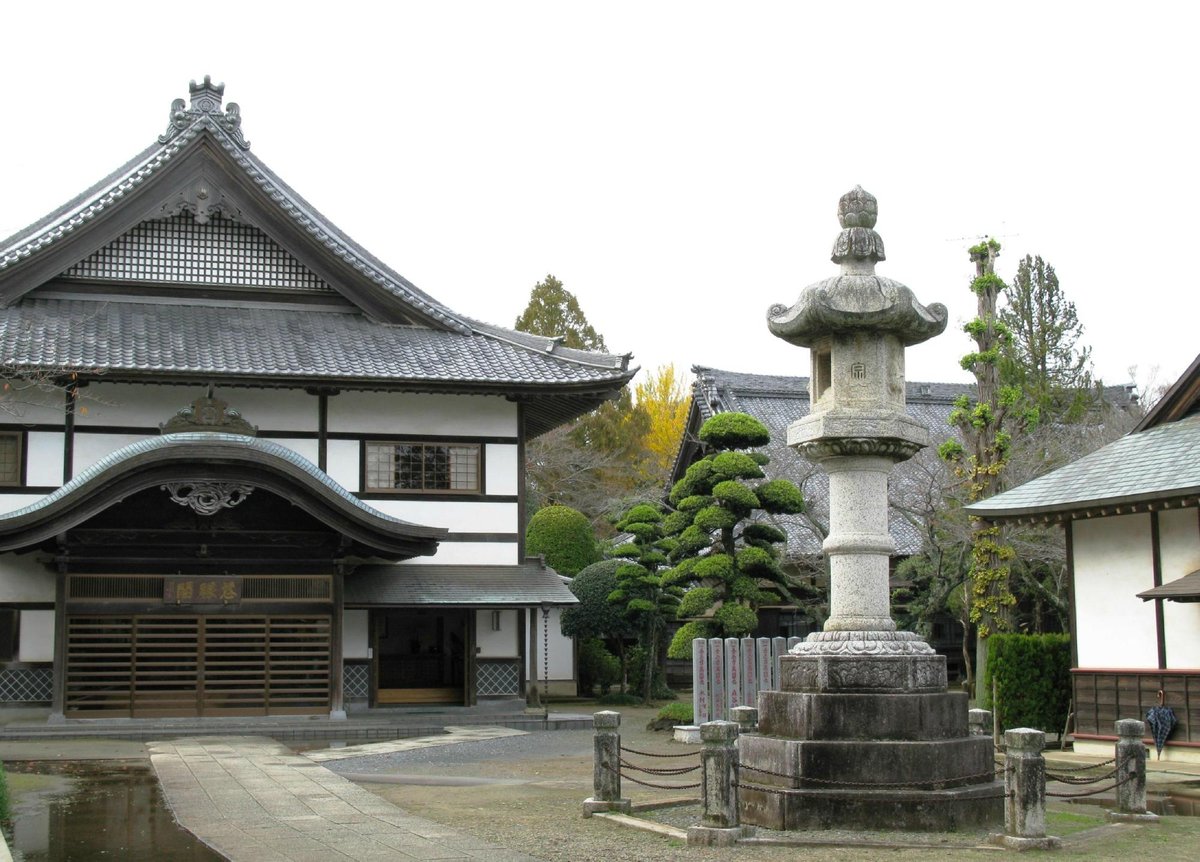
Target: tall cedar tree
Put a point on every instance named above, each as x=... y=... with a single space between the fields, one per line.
x=587 y=465
x=980 y=464
x=647 y=602
x=1044 y=356
x=722 y=545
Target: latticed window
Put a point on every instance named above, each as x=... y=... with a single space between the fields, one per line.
x=422 y=467
x=10 y=459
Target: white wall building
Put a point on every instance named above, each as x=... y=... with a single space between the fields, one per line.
x=1131 y=512
x=246 y=468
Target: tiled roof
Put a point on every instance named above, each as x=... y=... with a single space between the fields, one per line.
x=187 y=332
x=1160 y=463
x=530 y=583
x=269 y=341
x=778 y=401
x=108 y=193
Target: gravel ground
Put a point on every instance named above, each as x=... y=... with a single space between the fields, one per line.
x=548 y=775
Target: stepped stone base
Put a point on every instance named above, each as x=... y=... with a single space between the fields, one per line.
x=871 y=713
x=909 y=810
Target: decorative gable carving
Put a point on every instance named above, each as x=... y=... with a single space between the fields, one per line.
x=209 y=413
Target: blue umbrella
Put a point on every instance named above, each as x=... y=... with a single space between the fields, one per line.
x=1162 y=721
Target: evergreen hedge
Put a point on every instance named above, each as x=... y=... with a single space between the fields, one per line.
x=1033 y=680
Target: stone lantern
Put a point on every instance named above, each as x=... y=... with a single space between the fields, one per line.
x=863 y=733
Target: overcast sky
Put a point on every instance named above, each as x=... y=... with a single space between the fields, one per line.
x=677 y=165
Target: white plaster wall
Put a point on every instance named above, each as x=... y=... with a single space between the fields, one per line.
x=1114 y=562
x=1179 y=539
x=501 y=464
x=562 y=649
x=472 y=553
x=134 y=405
x=454 y=515
x=24 y=579
x=12 y=502
x=411 y=413
x=36 y=641
x=342 y=463
x=44 y=458
x=27 y=405
x=501 y=644
x=275 y=409
x=90 y=448
x=354 y=633
x=309 y=449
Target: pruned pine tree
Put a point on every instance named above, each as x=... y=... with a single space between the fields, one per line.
x=647 y=602
x=723 y=546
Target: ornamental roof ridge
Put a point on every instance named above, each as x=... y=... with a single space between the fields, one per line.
x=552 y=346
x=205 y=108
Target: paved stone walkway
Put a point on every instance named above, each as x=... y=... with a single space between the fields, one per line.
x=452 y=736
x=253 y=800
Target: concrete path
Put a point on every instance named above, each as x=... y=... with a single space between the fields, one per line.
x=452 y=736
x=252 y=799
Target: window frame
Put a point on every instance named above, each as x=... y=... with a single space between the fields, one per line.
x=18 y=479
x=477 y=456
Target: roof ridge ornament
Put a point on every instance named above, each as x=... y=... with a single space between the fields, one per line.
x=206 y=98
x=208 y=413
x=857 y=211
x=857 y=300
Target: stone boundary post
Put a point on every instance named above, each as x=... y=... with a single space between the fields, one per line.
x=719 y=826
x=980 y=722
x=1131 y=772
x=606 y=774
x=746 y=718
x=1025 y=791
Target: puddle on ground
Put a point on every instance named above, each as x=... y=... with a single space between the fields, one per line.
x=97 y=810
x=1180 y=800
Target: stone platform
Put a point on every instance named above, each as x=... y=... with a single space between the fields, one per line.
x=865 y=735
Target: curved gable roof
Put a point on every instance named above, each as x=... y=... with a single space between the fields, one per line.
x=216 y=457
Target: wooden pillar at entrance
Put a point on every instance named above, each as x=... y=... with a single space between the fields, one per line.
x=59 y=670
x=337 y=704
x=532 y=653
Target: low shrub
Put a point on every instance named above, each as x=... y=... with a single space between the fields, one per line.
x=598 y=667
x=1033 y=680
x=618 y=699
x=672 y=714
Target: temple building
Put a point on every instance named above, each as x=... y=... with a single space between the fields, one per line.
x=1131 y=514
x=249 y=469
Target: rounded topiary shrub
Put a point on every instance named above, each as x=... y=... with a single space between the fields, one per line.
x=564 y=537
x=734 y=431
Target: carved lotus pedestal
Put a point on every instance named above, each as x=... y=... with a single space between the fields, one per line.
x=864 y=735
